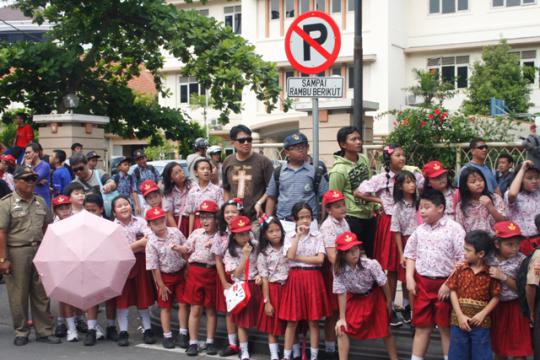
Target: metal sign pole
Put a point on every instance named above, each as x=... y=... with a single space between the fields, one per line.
x=315 y=116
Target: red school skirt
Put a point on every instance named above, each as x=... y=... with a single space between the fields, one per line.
x=139 y=288
x=221 y=304
x=176 y=283
x=200 y=285
x=385 y=248
x=328 y=276
x=367 y=315
x=427 y=309
x=401 y=271
x=272 y=324
x=528 y=244
x=510 y=332
x=304 y=295
x=247 y=318
x=184 y=225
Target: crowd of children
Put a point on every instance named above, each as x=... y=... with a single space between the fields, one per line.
x=458 y=252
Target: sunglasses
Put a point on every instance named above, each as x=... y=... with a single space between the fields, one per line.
x=245 y=140
x=482 y=147
x=77 y=169
x=29 y=179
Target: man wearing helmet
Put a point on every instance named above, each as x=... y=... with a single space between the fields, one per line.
x=200 y=144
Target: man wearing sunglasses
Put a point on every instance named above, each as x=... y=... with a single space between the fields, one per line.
x=90 y=179
x=24 y=217
x=246 y=174
x=479 y=153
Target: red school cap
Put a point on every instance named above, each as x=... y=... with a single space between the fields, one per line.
x=347 y=240
x=332 y=196
x=507 y=230
x=434 y=169
x=240 y=224
x=154 y=214
x=209 y=206
x=9 y=159
x=148 y=186
x=60 y=200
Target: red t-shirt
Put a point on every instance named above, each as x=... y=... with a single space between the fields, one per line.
x=24 y=136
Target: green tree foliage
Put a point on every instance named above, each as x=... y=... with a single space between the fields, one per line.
x=96 y=46
x=431 y=88
x=498 y=75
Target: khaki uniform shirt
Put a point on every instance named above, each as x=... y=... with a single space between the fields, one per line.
x=23 y=220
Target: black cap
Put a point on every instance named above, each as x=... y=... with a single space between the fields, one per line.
x=24 y=171
x=295 y=139
x=124 y=159
x=91 y=155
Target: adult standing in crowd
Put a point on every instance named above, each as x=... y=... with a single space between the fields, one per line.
x=350 y=168
x=42 y=168
x=61 y=176
x=479 y=151
x=23 y=136
x=23 y=220
x=200 y=145
x=246 y=174
x=90 y=179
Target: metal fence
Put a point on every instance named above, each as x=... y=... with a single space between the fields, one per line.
x=274 y=151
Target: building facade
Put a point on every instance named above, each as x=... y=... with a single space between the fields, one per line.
x=446 y=36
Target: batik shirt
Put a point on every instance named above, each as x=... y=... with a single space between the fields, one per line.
x=159 y=252
x=359 y=280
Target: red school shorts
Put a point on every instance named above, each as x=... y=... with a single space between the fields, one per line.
x=427 y=309
x=176 y=283
x=200 y=285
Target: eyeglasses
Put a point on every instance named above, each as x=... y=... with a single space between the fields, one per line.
x=77 y=169
x=245 y=140
x=482 y=147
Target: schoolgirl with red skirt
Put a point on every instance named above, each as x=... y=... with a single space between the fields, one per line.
x=139 y=288
x=304 y=294
x=523 y=200
x=241 y=253
x=164 y=259
x=332 y=226
x=510 y=331
x=363 y=296
x=200 y=290
x=404 y=222
x=229 y=210
x=176 y=186
x=379 y=189
x=273 y=269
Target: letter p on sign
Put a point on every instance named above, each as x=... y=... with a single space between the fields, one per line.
x=312 y=42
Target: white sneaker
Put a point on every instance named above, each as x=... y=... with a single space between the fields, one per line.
x=72 y=336
x=99 y=333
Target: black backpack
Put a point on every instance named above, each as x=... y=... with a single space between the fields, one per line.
x=137 y=173
x=521 y=283
x=320 y=171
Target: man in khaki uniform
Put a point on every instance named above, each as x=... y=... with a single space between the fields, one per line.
x=533 y=282
x=24 y=217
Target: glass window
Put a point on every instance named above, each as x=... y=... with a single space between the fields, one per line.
x=434 y=6
x=447 y=6
x=289 y=8
x=512 y=3
x=463 y=5
x=233 y=18
x=336 y=6
x=320 y=5
x=304 y=6
x=351 y=77
x=462 y=76
x=336 y=70
x=498 y=2
x=188 y=87
x=450 y=69
x=289 y=74
x=204 y=12
x=351 y=5
x=274 y=9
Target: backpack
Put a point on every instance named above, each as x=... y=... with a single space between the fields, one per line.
x=521 y=283
x=320 y=171
x=137 y=173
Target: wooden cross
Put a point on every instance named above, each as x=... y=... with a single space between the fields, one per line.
x=241 y=177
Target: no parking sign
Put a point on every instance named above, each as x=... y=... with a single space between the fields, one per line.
x=312 y=42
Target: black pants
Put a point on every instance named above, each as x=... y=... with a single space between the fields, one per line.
x=365 y=231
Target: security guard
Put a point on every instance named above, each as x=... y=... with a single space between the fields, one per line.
x=24 y=217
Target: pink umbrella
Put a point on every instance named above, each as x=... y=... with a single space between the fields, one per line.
x=84 y=260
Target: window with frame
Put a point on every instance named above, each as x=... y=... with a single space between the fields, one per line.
x=336 y=6
x=527 y=59
x=189 y=87
x=233 y=18
x=351 y=5
x=320 y=5
x=447 y=6
x=204 y=12
x=512 y=3
x=451 y=69
x=289 y=8
x=274 y=9
x=350 y=75
x=336 y=70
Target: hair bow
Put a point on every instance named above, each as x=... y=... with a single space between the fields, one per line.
x=388 y=149
x=265 y=220
x=236 y=201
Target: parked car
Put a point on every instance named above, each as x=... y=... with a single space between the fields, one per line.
x=160 y=166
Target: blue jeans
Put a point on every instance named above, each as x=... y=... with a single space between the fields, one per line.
x=473 y=345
